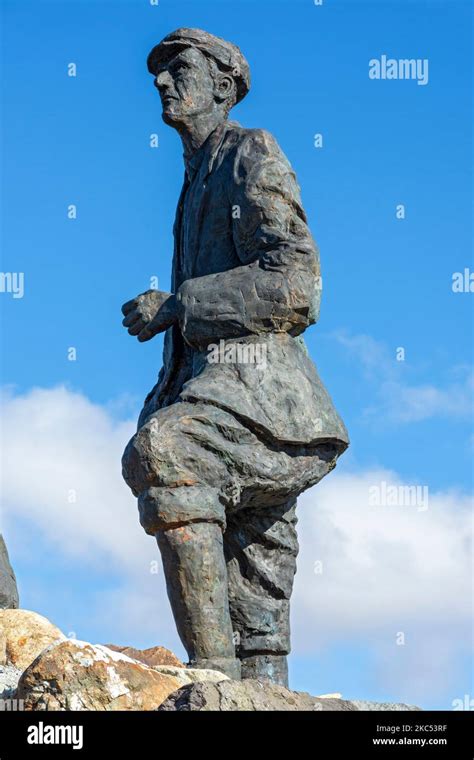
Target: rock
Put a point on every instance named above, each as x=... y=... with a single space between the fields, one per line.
x=363 y=704
x=186 y=676
x=9 y=677
x=247 y=695
x=76 y=675
x=8 y=587
x=23 y=635
x=151 y=657
x=261 y=696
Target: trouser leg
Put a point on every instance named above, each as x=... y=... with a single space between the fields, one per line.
x=265 y=667
x=261 y=547
x=188 y=523
x=189 y=465
x=196 y=581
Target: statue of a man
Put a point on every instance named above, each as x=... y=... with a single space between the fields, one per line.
x=238 y=423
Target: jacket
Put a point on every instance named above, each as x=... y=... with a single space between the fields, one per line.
x=246 y=275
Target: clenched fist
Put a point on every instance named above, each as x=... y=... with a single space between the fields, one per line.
x=149 y=314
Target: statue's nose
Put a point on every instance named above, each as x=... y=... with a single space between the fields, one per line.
x=162 y=80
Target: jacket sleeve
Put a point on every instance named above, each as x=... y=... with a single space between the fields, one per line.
x=277 y=286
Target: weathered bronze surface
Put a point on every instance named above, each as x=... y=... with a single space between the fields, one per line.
x=239 y=423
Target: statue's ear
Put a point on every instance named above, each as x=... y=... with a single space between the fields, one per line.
x=224 y=87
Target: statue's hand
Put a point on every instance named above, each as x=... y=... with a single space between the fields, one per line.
x=149 y=314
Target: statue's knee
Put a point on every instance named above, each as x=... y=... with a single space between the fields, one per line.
x=157 y=455
x=135 y=468
x=146 y=461
x=165 y=508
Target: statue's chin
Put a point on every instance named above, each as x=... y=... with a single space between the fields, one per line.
x=170 y=118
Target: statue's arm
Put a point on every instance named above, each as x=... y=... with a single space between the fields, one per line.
x=149 y=314
x=277 y=287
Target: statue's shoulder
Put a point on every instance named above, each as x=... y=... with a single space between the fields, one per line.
x=252 y=138
x=254 y=147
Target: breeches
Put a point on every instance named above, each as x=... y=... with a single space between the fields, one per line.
x=194 y=462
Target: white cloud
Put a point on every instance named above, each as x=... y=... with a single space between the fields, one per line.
x=56 y=441
x=395 y=399
x=59 y=446
x=385 y=569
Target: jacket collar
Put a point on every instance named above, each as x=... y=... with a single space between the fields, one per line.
x=208 y=151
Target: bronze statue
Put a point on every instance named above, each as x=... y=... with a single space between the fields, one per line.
x=239 y=423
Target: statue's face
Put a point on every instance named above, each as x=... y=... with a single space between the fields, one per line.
x=186 y=87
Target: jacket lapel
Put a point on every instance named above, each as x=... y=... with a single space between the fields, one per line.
x=200 y=191
x=177 y=264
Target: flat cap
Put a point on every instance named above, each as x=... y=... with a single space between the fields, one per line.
x=227 y=56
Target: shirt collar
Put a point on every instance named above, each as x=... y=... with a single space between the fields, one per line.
x=208 y=150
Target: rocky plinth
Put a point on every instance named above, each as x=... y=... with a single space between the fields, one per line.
x=250 y=695
x=23 y=635
x=9 y=677
x=153 y=656
x=76 y=675
x=8 y=587
x=43 y=670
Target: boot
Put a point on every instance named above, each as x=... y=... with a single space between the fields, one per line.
x=196 y=581
x=230 y=666
x=266 y=667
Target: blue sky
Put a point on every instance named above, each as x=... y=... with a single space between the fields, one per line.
x=387 y=282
